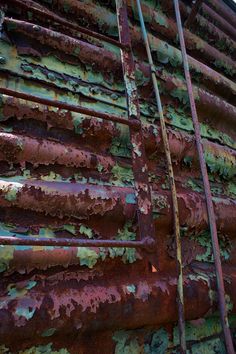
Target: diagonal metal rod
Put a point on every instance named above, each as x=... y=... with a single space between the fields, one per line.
x=193 y=13
x=207 y=190
x=180 y=298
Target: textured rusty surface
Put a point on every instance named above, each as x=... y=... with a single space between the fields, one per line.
x=66 y=174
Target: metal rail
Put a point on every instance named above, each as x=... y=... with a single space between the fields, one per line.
x=207 y=190
x=135 y=124
x=193 y=13
x=139 y=159
x=73 y=242
x=181 y=321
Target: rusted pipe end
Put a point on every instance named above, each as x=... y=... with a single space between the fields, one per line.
x=135 y=123
x=149 y=244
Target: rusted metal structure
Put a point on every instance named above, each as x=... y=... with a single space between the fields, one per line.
x=91 y=164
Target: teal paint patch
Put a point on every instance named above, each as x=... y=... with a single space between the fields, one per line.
x=161 y=19
x=204 y=239
x=46 y=232
x=131 y=288
x=14 y=292
x=26 y=312
x=159 y=343
x=48 y=332
x=126 y=345
x=2 y=60
x=208 y=347
x=31 y=284
x=130 y=198
x=188 y=161
x=44 y=349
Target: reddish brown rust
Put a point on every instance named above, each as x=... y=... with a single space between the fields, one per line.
x=88 y=51
x=78 y=303
x=221 y=22
x=223 y=10
x=207 y=191
x=17 y=148
x=193 y=43
x=85 y=199
x=66 y=176
x=139 y=159
x=40 y=10
x=181 y=144
x=191 y=17
x=63 y=105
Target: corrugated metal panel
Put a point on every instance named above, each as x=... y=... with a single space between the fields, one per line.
x=68 y=174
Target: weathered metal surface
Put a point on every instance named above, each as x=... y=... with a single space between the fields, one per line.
x=171 y=179
x=207 y=191
x=67 y=174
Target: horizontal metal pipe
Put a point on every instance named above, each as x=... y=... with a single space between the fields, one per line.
x=77 y=201
x=223 y=10
x=73 y=302
x=18 y=148
x=74 y=108
x=102 y=58
x=69 y=242
x=34 y=7
x=220 y=21
x=23 y=110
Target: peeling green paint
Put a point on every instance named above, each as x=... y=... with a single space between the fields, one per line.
x=128 y=254
x=159 y=343
x=27 y=312
x=203 y=334
x=204 y=239
x=6 y=255
x=44 y=349
x=87 y=256
x=10 y=192
x=122 y=175
x=126 y=345
x=48 y=332
x=86 y=231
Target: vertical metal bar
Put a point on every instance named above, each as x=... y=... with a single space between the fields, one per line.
x=207 y=190
x=139 y=160
x=180 y=298
x=193 y=13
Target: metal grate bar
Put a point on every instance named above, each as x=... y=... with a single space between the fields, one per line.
x=207 y=190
